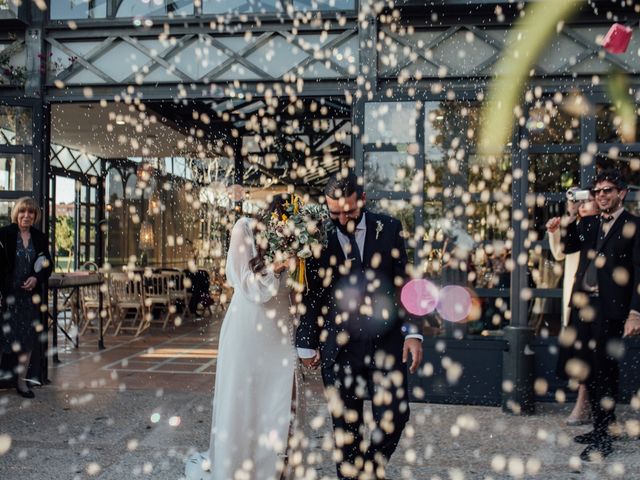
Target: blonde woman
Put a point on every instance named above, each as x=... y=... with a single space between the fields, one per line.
x=25 y=264
x=580 y=414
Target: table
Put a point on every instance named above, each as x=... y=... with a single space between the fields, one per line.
x=73 y=281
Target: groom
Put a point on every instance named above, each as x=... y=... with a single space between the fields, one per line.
x=353 y=325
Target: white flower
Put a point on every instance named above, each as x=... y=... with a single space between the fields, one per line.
x=305 y=252
x=379 y=228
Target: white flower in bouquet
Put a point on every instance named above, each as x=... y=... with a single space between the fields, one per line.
x=300 y=232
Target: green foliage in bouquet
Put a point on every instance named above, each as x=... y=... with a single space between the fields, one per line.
x=299 y=232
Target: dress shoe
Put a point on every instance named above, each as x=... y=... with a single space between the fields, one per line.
x=28 y=393
x=586 y=438
x=597 y=451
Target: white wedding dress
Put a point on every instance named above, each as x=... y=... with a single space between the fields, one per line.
x=255 y=374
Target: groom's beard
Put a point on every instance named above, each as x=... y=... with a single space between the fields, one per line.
x=344 y=229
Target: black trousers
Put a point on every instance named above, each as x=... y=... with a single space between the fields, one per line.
x=360 y=372
x=597 y=339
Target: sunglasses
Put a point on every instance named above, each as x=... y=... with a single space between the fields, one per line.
x=605 y=190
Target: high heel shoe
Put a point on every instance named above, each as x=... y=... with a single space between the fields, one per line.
x=28 y=393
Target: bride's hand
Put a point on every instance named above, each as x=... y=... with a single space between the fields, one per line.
x=279 y=267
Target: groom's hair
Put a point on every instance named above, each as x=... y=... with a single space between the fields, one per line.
x=343 y=186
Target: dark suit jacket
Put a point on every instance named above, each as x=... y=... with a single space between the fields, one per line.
x=619 y=277
x=323 y=326
x=8 y=241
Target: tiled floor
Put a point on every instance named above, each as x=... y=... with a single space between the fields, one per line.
x=157 y=359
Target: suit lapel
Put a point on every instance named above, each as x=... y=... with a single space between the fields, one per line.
x=335 y=248
x=369 y=240
x=617 y=225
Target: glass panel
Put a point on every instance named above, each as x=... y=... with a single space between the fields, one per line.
x=5 y=212
x=16 y=172
x=390 y=122
x=558 y=52
x=15 y=125
x=65 y=157
x=489 y=176
x=154 y=8
x=115 y=246
x=240 y=6
x=551 y=172
x=78 y=9
x=121 y=60
x=277 y=56
x=549 y=124
x=9 y=6
x=315 y=5
x=446 y=130
x=65 y=223
x=389 y=171
x=608 y=124
x=462 y=56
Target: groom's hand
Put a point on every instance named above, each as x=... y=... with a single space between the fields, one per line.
x=413 y=346
x=312 y=362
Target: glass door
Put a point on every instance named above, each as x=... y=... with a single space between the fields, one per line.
x=17 y=172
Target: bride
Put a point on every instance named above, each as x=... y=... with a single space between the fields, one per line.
x=256 y=367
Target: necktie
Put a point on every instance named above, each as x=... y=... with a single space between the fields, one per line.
x=356 y=258
x=606 y=224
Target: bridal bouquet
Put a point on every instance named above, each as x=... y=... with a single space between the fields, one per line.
x=300 y=231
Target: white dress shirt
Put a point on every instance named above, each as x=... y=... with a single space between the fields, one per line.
x=361 y=235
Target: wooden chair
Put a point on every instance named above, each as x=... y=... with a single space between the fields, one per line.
x=156 y=296
x=128 y=298
x=90 y=305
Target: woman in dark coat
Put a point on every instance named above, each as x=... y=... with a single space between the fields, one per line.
x=25 y=264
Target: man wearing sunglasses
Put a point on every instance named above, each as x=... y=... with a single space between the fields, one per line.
x=354 y=328
x=606 y=299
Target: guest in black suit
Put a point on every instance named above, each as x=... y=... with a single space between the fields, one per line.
x=605 y=299
x=354 y=327
x=25 y=264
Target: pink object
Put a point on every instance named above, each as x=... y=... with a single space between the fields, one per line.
x=419 y=297
x=617 y=38
x=454 y=303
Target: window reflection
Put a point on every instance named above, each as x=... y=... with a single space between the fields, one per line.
x=241 y=6
x=115 y=215
x=551 y=172
x=549 y=124
x=391 y=171
x=154 y=8
x=5 y=212
x=79 y=9
x=16 y=172
x=608 y=124
x=314 y=5
x=15 y=126
x=390 y=122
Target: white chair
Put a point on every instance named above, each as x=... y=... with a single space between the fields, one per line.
x=128 y=298
x=178 y=293
x=156 y=296
x=90 y=307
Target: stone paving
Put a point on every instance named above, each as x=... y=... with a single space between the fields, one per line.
x=139 y=408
